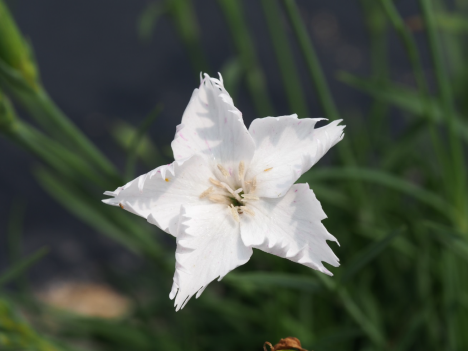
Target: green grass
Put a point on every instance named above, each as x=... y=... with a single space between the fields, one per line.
x=397 y=203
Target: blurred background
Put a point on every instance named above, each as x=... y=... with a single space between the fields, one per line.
x=90 y=94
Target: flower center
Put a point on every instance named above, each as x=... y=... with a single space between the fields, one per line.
x=236 y=200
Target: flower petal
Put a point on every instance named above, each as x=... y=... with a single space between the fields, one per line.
x=208 y=246
x=159 y=194
x=290 y=227
x=287 y=147
x=212 y=126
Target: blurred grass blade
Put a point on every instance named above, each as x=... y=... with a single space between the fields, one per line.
x=405 y=98
x=123 y=133
x=52 y=120
x=408 y=42
x=354 y=265
x=455 y=23
x=454 y=240
x=290 y=76
x=377 y=29
x=75 y=201
x=361 y=319
x=21 y=266
x=136 y=141
x=385 y=179
x=185 y=19
x=459 y=173
x=372 y=331
x=15 y=241
x=255 y=77
x=269 y=280
x=232 y=71
x=54 y=154
x=148 y=19
x=313 y=64
x=325 y=97
x=14 y=50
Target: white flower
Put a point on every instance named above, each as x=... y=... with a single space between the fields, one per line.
x=231 y=189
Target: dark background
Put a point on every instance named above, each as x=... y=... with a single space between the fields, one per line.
x=98 y=71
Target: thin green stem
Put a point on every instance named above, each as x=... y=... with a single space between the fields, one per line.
x=290 y=76
x=321 y=86
x=255 y=77
x=415 y=60
x=445 y=93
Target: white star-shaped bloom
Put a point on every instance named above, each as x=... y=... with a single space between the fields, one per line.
x=231 y=189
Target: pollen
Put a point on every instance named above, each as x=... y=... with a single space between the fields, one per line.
x=167 y=179
x=215 y=182
x=121 y=206
x=253 y=186
x=268 y=169
x=234 y=212
x=247 y=210
x=223 y=171
x=241 y=170
x=249 y=197
x=206 y=192
x=217 y=198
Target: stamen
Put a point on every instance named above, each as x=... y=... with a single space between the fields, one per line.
x=215 y=182
x=248 y=210
x=254 y=184
x=228 y=188
x=206 y=192
x=217 y=198
x=234 y=213
x=241 y=170
x=223 y=171
x=249 y=197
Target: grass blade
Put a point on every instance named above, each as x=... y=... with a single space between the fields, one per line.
x=385 y=179
x=255 y=77
x=136 y=141
x=290 y=76
x=357 y=263
x=21 y=266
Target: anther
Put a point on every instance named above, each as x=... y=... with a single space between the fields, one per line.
x=234 y=213
x=215 y=182
x=223 y=171
x=241 y=170
x=217 y=198
x=247 y=210
x=206 y=192
x=228 y=188
x=249 y=197
x=254 y=184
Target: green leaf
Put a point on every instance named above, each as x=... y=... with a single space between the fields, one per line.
x=148 y=19
x=367 y=255
x=185 y=20
x=137 y=139
x=21 y=266
x=269 y=280
x=385 y=179
x=93 y=213
x=255 y=78
x=454 y=240
x=283 y=51
x=53 y=120
x=405 y=98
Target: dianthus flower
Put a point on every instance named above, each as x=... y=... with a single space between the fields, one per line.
x=231 y=189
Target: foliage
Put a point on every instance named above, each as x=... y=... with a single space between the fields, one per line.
x=397 y=201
